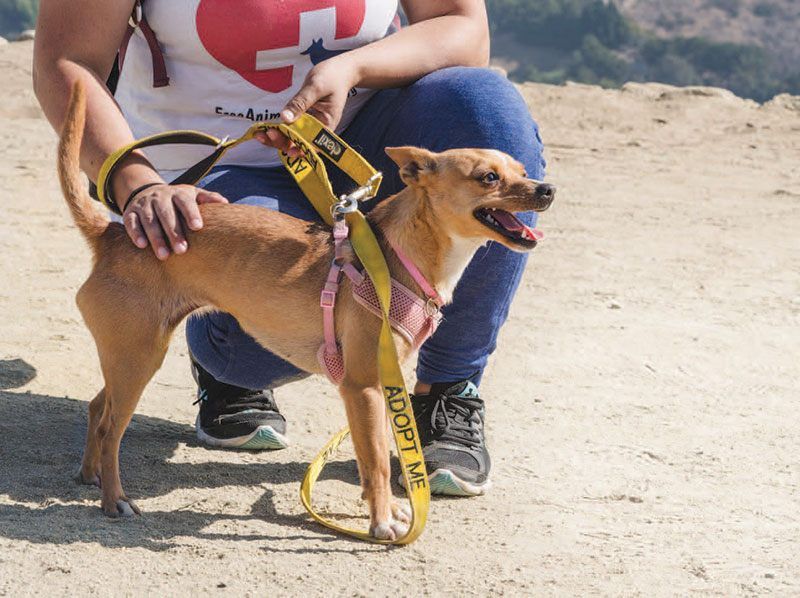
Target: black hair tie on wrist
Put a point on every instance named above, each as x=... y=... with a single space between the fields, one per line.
x=136 y=192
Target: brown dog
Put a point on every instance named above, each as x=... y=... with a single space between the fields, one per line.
x=262 y=266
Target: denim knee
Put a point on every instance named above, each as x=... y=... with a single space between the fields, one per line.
x=482 y=109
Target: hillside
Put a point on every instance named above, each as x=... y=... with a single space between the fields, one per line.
x=642 y=405
x=771 y=24
x=599 y=42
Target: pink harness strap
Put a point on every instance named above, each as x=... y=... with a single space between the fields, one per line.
x=412 y=317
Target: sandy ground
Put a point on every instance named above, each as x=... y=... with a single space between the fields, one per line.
x=643 y=401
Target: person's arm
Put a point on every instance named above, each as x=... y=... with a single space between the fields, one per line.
x=78 y=40
x=441 y=33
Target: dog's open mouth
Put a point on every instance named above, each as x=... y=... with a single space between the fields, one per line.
x=509 y=226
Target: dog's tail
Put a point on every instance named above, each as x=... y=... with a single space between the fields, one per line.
x=90 y=221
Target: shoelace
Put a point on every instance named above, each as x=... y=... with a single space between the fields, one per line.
x=460 y=421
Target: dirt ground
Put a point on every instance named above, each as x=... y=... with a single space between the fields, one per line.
x=642 y=404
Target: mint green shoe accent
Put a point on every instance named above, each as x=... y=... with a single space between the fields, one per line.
x=470 y=391
x=445 y=483
x=263 y=438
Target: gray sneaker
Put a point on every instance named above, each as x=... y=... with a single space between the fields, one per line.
x=235 y=417
x=450 y=423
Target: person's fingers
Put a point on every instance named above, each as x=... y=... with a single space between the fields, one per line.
x=170 y=224
x=301 y=102
x=152 y=229
x=187 y=206
x=322 y=116
x=204 y=196
x=278 y=140
x=134 y=229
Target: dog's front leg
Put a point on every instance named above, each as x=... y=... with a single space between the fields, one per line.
x=366 y=414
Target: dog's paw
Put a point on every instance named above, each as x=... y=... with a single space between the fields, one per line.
x=80 y=478
x=389 y=530
x=401 y=512
x=123 y=507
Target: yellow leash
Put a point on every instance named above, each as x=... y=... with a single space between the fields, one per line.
x=311 y=175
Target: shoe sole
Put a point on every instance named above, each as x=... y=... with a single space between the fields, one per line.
x=262 y=438
x=444 y=482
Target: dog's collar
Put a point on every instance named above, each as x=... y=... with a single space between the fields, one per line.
x=427 y=288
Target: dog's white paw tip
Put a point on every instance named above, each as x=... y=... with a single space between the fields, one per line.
x=391 y=530
x=127 y=508
x=402 y=512
x=400 y=529
x=382 y=531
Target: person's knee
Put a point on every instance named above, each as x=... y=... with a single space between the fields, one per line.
x=478 y=107
x=472 y=92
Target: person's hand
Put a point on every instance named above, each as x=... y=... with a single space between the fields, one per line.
x=156 y=216
x=323 y=95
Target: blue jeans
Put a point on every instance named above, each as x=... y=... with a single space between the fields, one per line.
x=450 y=108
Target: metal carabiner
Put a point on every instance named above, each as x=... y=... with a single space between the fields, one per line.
x=345 y=205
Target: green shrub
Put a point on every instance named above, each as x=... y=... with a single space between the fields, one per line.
x=766 y=10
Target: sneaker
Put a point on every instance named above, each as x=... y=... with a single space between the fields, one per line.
x=235 y=417
x=450 y=424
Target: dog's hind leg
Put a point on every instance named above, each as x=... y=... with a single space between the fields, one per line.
x=89 y=473
x=132 y=339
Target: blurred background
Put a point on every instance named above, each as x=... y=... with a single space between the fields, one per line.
x=751 y=47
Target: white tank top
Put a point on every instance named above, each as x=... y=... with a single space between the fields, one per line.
x=235 y=62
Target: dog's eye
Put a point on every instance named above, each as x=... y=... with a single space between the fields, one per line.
x=490 y=178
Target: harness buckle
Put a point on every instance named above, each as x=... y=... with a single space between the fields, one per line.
x=327 y=299
x=136 y=15
x=431 y=307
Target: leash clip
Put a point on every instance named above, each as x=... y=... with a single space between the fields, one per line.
x=345 y=205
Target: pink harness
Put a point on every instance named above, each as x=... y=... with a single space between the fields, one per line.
x=414 y=318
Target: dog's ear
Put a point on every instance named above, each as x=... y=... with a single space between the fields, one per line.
x=415 y=163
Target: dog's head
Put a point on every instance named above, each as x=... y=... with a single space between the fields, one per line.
x=476 y=192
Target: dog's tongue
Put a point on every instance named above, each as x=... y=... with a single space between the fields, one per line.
x=512 y=223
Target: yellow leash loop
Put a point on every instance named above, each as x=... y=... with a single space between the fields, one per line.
x=311 y=175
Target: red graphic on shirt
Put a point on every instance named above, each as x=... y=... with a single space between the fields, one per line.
x=234 y=32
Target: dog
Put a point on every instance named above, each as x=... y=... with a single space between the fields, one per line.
x=266 y=269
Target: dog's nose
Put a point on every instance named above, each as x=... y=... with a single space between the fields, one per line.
x=545 y=191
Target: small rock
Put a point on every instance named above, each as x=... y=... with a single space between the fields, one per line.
x=769 y=575
x=222 y=584
x=26 y=35
x=614 y=305
x=648 y=90
x=697 y=91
